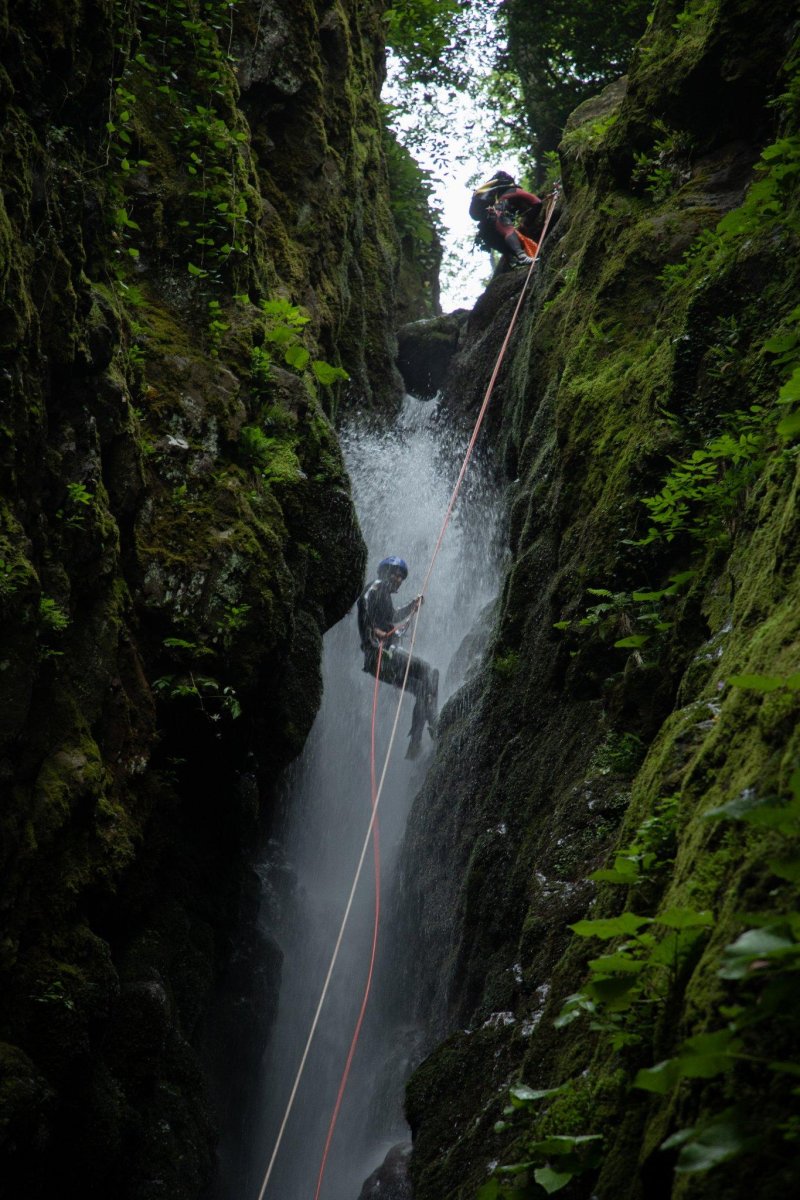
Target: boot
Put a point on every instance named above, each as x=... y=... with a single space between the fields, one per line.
x=414 y=745
x=518 y=256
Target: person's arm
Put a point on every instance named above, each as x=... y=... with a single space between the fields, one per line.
x=520 y=198
x=400 y=614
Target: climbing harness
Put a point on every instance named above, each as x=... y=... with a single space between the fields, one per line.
x=371 y=834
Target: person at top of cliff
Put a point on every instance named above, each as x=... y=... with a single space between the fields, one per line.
x=378 y=622
x=496 y=205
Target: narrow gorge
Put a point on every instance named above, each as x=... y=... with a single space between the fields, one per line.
x=218 y=278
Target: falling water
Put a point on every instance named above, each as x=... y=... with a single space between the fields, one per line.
x=402 y=480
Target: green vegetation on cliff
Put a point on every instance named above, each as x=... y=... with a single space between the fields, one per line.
x=616 y=935
x=198 y=264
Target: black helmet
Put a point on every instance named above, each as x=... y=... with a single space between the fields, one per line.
x=387 y=565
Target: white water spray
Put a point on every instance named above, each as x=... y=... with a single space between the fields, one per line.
x=402 y=480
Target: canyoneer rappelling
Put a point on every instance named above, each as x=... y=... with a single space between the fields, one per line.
x=378 y=627
x=497 y=205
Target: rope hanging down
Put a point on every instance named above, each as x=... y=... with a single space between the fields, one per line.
x=375 y=929
x=378 y=793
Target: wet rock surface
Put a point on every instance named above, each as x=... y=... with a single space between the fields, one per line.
x=425 y=350
x=392 y=1180
x=165 y=510
x=590 y=739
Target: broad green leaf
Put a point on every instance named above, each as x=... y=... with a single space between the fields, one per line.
x=682 y=577
x=573 y=1007
x=660 y=1079
x=277 y=308
x=559 y=1144
x=624 y=871
x=678 y=1138
x=194 y=270
x=515 y=1168
x=599 y=592
x=700 y=1057
x=786 y=868
x=684 y=918
x=326 y=374
x=550 y=1180
x=297 y=357
x=790 y=425
x=608 y=927
x=561 y=624
x=620 y=964
x=613 y=992
x=708 y=1054
x=713 y=1145
x=281 y=335
x=635 y=640
x=785 y=1068
x=740 y=958
x=489 y=1190
x=767 y=811
x=791 y=389
x=781 y=343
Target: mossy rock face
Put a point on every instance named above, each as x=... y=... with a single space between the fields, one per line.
x=626 y=691
x=176 y=528
x=425 y=349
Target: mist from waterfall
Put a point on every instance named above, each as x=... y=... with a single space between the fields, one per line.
x=402 y=480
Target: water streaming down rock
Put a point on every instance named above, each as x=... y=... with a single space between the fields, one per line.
x=402 y=481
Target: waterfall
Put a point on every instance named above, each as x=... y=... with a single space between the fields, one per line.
x=402 y=480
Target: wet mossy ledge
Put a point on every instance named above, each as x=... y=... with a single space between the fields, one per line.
x=602 y=873
x=198 y=267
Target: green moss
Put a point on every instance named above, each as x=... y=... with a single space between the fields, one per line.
x=618 y=380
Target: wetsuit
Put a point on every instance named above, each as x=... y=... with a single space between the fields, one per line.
x=376 y=611
x=495 y=211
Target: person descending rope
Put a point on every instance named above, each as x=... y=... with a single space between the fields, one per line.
x=377 y=627
x=495 y=205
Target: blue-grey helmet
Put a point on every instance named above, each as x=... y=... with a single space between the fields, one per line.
x=388 y=565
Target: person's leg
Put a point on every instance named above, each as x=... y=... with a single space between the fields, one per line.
x=512 y=245
x=489 y=236
x=423 y=681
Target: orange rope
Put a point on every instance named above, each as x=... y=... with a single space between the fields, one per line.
x=378 y=793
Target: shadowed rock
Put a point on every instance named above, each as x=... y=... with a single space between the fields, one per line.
x=391 y=1181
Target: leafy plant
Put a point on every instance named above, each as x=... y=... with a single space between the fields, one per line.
x=212 y=698
x=549 y=1162
x=232 y=621
x=8 y=584
x=283 y=334
x=579 y=143
x=78 y=497
x=665 y=167
x=51 y=616
x=639 y=972
x=651 y=850
x=54 y=992
x=619 y=612
x=702 y=492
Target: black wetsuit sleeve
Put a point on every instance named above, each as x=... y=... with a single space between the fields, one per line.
x=378 y=610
